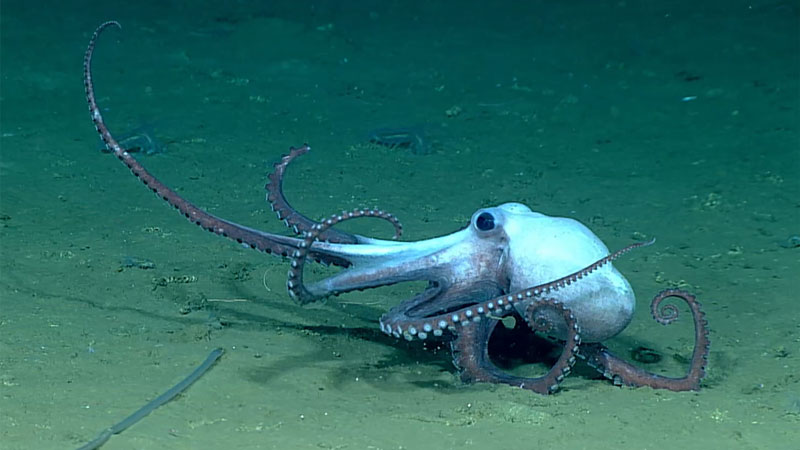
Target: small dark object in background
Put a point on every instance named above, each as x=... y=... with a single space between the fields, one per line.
x=791 y=242
x=688 y=76
x=139 y=140
x=128 y=262
x=412 y=138
x=645 y=355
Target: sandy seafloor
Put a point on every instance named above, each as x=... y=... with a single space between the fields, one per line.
x=673 y=119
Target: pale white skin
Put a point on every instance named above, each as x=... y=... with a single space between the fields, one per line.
x=505 y=248
x=544 y=248
x=523 y=249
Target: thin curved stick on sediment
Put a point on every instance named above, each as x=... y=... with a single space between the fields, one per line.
x=173 y=392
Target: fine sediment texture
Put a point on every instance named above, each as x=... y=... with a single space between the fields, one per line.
x=155 y=403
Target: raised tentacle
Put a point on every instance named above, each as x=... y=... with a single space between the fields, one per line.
x=471 y=351
x=266 y=242
x=294 y=283
x=625 y=373
x=293 y=219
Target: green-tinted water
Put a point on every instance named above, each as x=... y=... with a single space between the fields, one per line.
x=670 y=119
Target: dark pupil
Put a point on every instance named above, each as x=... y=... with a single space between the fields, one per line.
x=485 y=222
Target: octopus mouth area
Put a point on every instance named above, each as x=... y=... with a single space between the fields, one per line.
x=434 y=309
x=433 y=302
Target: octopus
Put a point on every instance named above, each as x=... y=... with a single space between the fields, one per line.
x=551 y=273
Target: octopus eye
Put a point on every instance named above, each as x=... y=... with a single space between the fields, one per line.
x=485 y=221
